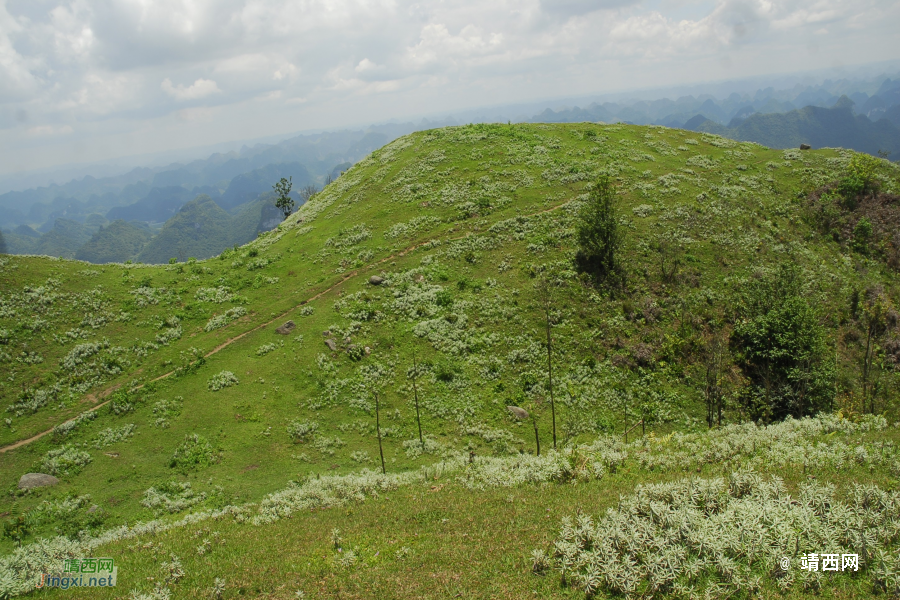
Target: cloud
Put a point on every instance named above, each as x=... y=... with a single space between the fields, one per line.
x=120 y=67
x=49 y=130
x=571 y=8
x=199 y=89
x=438 y=47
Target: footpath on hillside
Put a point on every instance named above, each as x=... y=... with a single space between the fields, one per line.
x=230 y=341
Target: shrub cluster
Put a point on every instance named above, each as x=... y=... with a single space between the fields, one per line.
x=219 y=321
x=193 y=453
x=723 y=537
x=221 y=380
x=172 y=497
x=67 y=460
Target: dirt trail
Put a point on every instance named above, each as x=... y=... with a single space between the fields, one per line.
x=230 y=341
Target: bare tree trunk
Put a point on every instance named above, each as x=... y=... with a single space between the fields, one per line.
x=537 y=440
x=550 y=377
x=378 y=430
x=867 y=360
x=416 y=394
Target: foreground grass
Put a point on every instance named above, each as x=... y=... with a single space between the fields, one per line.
x=433 y=539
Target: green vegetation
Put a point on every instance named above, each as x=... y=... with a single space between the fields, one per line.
x=64 y=239
x=118 y=242
x=234 y=393
x=284 y=202
x=782 y=347
x=599 y=235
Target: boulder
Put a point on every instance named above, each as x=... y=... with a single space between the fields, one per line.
x=331 y=345
x=376 y=280
x=519 y=414
x=805 y=146
x=286 y=328
x=327 y=333
x=36 y=480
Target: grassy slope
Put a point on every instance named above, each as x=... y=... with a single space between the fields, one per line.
x=467 y=179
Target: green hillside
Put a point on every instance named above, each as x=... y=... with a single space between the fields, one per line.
x=64 y=239
x=751 y=289
x=200 y=229
x=118 y=242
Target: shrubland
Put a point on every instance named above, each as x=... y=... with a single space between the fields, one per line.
x=688 y=368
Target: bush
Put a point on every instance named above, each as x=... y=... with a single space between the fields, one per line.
x=171 y=497
x=721 y=538
x=599 y=236
x=222 y=380
x=119 y=403
x=862 y=235
x=265 y=349
x=782 y=347
x=219 y=321
x=194 y=452
x=111 y=435
x=64 y=429
x=65 y=461
x=302 y=432
x=859 y=179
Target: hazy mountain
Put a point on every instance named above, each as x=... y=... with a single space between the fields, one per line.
x=200 y=229
x=311 y=159
x=64 y=239
x=813 y=125
x=157 y=206
x=239 y=175
x=255 y=217
x=118 y=242
x=250 y=185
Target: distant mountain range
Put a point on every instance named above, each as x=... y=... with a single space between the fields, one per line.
x=153 y=195
x=819 y=127
x=676 y=113
x=200 y=229
x=199 y=208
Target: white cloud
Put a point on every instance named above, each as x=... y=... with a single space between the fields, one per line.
x=48 y=130
x=199 y=89
x=437 y=46
x=319 y=63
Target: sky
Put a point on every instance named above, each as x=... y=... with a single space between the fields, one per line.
x=92 y=80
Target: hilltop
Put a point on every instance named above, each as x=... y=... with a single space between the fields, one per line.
x=243 y=388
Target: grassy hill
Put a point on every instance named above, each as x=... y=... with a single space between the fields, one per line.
x=200 y=229
x=118 y=242
x=164 y=391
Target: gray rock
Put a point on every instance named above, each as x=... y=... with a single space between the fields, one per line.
x=805 y=146
x=286 y=329
x=331 y=345
x=367 y=350
x=327 y=333
x=94 y=508
x=376 y=280
x=36 y=480
x=520 y=414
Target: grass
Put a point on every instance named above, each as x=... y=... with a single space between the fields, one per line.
x=460 y=223
x=430 y=539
